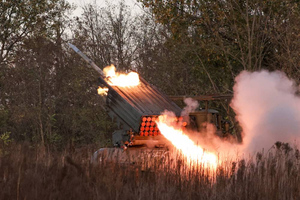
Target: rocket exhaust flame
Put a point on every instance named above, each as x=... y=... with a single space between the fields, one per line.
x=122 y=80
x=194 y=154
x=117 y=79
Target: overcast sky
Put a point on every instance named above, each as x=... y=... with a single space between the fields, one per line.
x=79 y=3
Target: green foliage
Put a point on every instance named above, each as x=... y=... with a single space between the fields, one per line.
x=22 y=19
x=5 y=138
x=55 y=140
x=5 y=141
x=4 y=115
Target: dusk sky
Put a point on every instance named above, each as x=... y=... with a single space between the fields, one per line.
x=101 y=3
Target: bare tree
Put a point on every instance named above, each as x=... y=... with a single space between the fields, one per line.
x=108 y=35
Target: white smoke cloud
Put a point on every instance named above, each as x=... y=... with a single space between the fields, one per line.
x=191 y=105
x=267 y=109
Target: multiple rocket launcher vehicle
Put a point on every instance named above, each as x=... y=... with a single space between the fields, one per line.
x=136 y=108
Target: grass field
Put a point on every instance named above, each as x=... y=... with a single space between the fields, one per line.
x=37 y=173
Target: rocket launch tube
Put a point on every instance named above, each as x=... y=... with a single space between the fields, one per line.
x=89 y=61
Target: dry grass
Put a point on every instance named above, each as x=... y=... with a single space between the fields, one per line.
x=34 y=173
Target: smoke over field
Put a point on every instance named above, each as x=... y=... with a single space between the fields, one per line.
x=267 y=108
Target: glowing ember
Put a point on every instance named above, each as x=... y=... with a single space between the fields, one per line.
x=102 y=91
x=193 y=153
x=123 y=80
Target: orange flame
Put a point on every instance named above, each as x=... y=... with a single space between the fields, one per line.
x=102 y=91
x=123 y=80
x=193 y=153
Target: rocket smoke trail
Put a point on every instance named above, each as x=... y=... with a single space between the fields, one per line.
x=267 y=108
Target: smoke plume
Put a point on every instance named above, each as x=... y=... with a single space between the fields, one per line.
x=191 y=105
x=267 y=108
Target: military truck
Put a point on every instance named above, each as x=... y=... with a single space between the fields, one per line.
x=136 y=108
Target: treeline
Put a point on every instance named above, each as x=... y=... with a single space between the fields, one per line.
x=48 y=95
